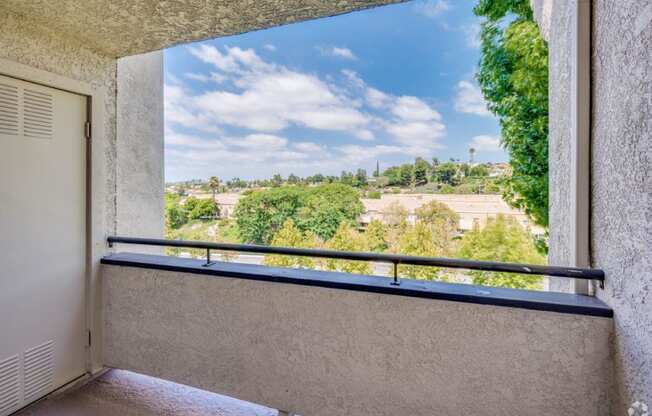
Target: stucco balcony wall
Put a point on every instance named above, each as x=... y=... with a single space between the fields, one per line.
x=321 y=351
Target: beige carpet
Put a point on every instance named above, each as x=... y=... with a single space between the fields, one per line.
x=123 y=393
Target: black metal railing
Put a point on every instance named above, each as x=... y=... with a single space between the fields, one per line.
x=395 y=259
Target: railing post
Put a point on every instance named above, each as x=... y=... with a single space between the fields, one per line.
x=208 y=258
x=395 y=282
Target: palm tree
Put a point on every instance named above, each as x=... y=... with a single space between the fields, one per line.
x=214 y=184
x=471 y=153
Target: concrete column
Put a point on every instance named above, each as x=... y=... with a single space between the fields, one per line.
x=140 y=132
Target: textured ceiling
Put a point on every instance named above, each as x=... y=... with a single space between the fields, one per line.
x=125 y=27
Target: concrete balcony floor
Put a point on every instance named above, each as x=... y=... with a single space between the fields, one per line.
x=119 y=392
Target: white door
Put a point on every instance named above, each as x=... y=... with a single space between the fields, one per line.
x=42 y=240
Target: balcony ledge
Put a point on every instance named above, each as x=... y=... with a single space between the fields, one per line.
x=514 y=298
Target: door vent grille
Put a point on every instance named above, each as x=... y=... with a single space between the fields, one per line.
x=8 y=109
x=9 y=385
x=37 y=115
x=39 y=370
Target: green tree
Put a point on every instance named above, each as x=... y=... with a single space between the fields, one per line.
x=214 y=185
x=175 y=214
x=293 y=179
x=395 y=214
x=327 y=206
x=443 y=222
x=421 y=168
x=290 y=236
x=446 y=173
x=347 y=178
x=348 y=238
x=377 y=236
x=417 y=240
x=277 y=180
x=393 y=175
x=201 y=209
x=361 y=178
x=406 y=174
x=262 y=213
x=320 y=210
x=513 y=76
x=502 y=239
x=479 y=171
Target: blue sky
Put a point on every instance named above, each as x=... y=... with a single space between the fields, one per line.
x=389 y=84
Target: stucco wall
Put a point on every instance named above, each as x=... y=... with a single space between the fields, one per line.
x=140 y=180
x=319 y=351
x=621 y=173
x=554 y=18
x=28 y=43
x=621 y=232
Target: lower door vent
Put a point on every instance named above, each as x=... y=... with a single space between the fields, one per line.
x=39 y=369
x=9 y=385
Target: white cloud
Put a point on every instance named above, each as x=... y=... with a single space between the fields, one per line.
x=485 y=143
x=353 y=78
x=432 y=8
x=355 y=153
x=309 y=147
x=213 y=77
x=235 y=59
x=414 y=109
x=270 y=47
x=364 y=135
x=338 y=52
x=472 y=35
x=255 y=141
x=416 y=125
x=469 y=99
x=264 y=99
x=269 y=97
x=179 y=110
x=376 y=98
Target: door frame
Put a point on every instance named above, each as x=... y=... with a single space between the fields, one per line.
x=96 y=191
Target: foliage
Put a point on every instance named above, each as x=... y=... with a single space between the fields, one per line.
x=373 y=194
x=377 y=236
x=513 y=76
x=201 y=208
x=393 y=175
x=290 y=236
x=175 y=215
x=319 y=209
x=406 y=174
x=277 y=180
x=327 y=206
x=395 y=214
x=503 y=239
x=214 y=185
x=421 y=169
x=417 y=240
x=479 y=170
x=348 y=238
x=262 y=213
x=432 y=235
x=435 y=211
x=446 y=173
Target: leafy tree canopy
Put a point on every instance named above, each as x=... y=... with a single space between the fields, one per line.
x=348 y=238
x=290 y=236
x=319 y=209
x=513 y=76
x=502 y=239
x=198 y=209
